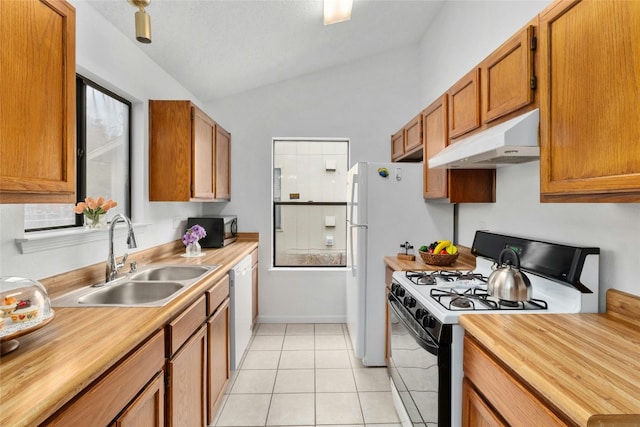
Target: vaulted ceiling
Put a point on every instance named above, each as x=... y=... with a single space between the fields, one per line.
x=217 y=48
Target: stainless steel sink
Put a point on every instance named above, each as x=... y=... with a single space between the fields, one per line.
x=170 y=272
x=151 y=286
x=131 y=293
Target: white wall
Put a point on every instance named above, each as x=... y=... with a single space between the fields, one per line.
x=365 y=101
x=615 y=228
x=110 y=59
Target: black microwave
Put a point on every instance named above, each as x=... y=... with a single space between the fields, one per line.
x=221 y=230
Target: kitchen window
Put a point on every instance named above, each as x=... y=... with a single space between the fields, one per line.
x=102 y=162
x=309 y=202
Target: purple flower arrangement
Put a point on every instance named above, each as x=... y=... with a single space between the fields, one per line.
x=195 y=233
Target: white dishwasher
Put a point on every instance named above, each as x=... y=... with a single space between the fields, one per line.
x=240 y=295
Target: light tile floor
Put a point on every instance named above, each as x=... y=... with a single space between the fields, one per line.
x=306 y=375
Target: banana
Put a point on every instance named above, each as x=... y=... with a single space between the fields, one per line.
x=451 y=250
x=442 y=245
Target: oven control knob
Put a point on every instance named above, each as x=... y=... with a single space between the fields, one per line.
x=420 y=313
x=428 y=321
x=409 y=302
x=399 y=292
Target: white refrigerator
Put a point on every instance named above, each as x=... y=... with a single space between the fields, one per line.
x=382 y=213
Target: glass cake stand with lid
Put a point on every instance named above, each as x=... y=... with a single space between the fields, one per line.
x=24 y=307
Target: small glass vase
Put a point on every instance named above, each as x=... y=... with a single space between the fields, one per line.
x=193 y=249
x=95 y=221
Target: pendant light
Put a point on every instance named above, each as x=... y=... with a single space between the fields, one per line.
x=143 y=21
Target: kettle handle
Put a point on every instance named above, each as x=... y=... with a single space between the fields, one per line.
x=511 y=254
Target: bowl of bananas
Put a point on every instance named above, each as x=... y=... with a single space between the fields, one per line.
x=440 y=253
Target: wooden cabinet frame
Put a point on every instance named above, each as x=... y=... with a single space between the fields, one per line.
x=189 y=154
x=589 y=102
x=37 y=127
x=464 y=104
x=508 y=76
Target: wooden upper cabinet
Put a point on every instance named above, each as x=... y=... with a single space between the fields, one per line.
x=223 y=162
x=397 y=145
x=413 y=135
x=37 y=123
x=454 y=186
x=185 y=161
x=590 y=102
x=436 y=138
x=203 y=172
x=406 y=144
x=508 y=79
x=464 y=104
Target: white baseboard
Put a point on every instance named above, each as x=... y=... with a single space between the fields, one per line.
x=301 y=319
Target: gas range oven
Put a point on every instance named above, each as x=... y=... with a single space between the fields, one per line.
x=425 y=363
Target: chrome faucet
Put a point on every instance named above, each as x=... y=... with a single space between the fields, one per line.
x=112 y=265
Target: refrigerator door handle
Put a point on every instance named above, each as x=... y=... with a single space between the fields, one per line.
x=354 y=267
x=354 y=183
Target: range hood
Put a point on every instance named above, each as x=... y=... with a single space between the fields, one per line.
x=514 y=141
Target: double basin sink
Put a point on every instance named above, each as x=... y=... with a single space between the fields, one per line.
x=151 y=286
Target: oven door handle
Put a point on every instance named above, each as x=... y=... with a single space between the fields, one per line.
x=423 y=339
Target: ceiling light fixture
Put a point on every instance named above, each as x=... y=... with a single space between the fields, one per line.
x=143 y=21
x=337 y=11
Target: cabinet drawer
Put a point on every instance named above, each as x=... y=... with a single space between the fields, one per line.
x=217 y=294
x=102 y=402
x=183 y=326
x=511 y=399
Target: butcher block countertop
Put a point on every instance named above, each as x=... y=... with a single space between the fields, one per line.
x=56 y=362
x=586 y=367
x=465 y=262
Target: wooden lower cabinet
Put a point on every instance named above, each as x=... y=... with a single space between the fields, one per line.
x=218 y=364
x=475 y=411
x=493 y=396
x=147 y=410
x=186 y=385
x=125 y=389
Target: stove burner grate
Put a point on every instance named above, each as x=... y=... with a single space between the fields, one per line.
x=453 y=299
x=431 y=278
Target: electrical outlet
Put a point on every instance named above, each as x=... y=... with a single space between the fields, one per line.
x=176 y=221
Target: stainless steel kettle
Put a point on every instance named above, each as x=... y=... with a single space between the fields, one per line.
x=507 y=282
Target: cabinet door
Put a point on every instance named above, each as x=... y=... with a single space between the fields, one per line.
x=37 y=124
x=397 y=144
x=590 y=102
x=170 y=150
x=475 y=411
x=147 y=410
x=223 y=164
x=464 y=104
x=434 y=123
x=219 y=358
x=413 y=134
x=203 y=160
x=101 y=402
x=507 y=76
x=186 y=392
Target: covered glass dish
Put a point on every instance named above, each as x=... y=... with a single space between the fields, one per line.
x=24 y=307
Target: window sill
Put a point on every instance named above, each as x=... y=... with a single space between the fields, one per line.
x=39 y=241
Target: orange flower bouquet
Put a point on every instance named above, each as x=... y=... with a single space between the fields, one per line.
x=94 y=210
